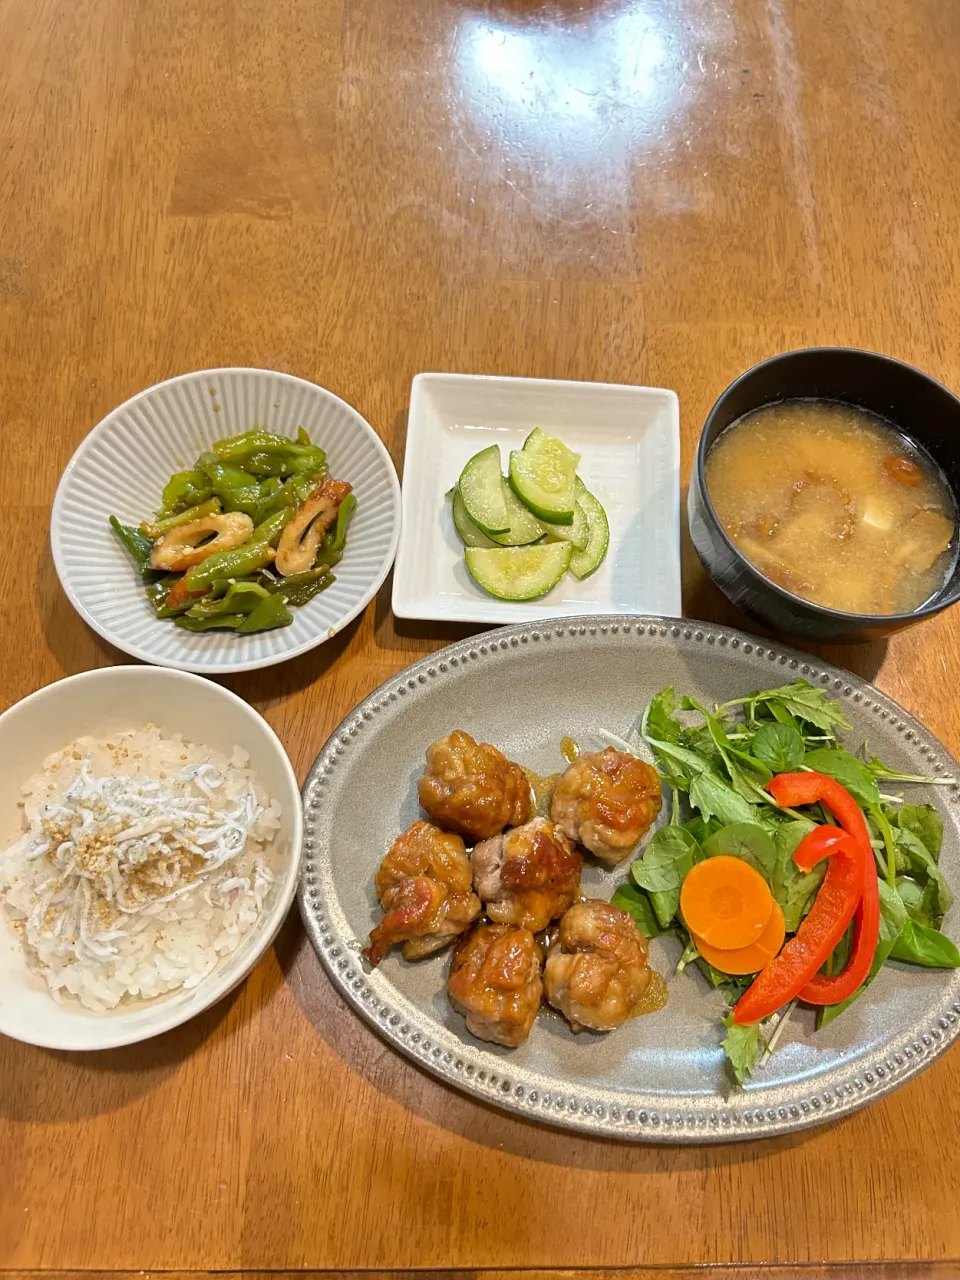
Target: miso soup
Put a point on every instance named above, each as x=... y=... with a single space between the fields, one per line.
x=834 y=504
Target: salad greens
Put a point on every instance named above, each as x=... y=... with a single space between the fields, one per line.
x=718 y=762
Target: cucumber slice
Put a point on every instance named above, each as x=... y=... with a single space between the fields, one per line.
x=538 y=442
x=524 y=525
x=471 y=535
x=583 y=563
x=519 y=573
x=481 y=488
x=542 y=475
x=576 y=534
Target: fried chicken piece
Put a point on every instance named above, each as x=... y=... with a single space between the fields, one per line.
x=596 y=970
x=606 y=800
x=424 y=885
x=528 y=876
x=472 y=788
x=495 y=982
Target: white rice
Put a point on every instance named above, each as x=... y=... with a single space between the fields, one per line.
x=144 y=861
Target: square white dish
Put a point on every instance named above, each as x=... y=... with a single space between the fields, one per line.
x=629 y=441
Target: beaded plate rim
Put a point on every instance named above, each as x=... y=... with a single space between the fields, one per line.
x=526 y=1093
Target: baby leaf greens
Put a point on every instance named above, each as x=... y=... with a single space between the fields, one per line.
x=720 y=761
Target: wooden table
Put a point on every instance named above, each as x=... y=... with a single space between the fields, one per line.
x=658 y=192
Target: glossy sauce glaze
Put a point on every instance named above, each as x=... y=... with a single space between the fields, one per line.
x=654 y=998
x=834 y=504
x=543 y=784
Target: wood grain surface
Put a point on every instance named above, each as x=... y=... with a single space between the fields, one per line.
x=645 y=191
x=893 y=1270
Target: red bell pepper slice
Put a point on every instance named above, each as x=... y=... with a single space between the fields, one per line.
x=791 y=789
x=789 y=972
x=809 y=788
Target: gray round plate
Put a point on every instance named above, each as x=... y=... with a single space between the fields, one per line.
x=657 y=1079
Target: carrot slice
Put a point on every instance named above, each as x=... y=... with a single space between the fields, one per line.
x=749 y=959
x=725 y=902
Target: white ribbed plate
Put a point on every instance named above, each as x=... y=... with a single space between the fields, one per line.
x=123 y=464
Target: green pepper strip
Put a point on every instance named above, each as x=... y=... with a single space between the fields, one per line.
x=241 y=597
x=256 y=501
x=258 y=441
x=331 y=549
x=275 y=462
x=223 y=474
x=246 y=439
x=183 y=490
x=268 y=492
x=295 y=580
x=239 y=489
x=295 y=491
x=136 y=543
x=249 y=501
x=236 y=563
x=300 y=595
x=344 y=516
x=222 y=620
x=156 y=528
x=266 y=454
x=157 y=592
x=269 y=613
x=269 y=530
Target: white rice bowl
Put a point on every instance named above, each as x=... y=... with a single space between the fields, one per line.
x=177 y=946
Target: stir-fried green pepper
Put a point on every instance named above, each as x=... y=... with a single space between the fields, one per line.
x=269 y=530
x=313 y=582
x=303 y=484
x=268 y=477
x=244 y=560
x=240 y=597
x=183 y=490
x=266 y=454
x=237 y=489
x=165 y=610
x=331 y=549
x=136 y=543
x=260 y=441
x=157 y=592
x=224 y=621
x=284 y=464
x=269 y=613
x=293 y=492
x=224 y=475
x=230 y=445
x=230 y=564
x=156 y=528
x=267 y=493
x=249 y=501
x=344 y=516
x=292 y=581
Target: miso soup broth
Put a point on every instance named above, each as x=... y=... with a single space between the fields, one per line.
x=834 y=504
